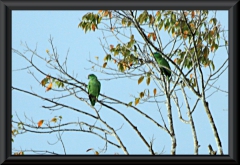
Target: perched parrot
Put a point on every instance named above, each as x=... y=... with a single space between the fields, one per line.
x=94 y=87
x=162 y=62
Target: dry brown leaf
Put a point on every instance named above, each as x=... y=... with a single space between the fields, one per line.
x=154 y=91
x=40 y=123
x=105 y=64
x=140 y=79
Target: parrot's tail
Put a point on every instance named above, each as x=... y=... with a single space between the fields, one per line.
x=92 y=99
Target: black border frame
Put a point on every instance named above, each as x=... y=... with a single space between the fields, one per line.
x=6 y=6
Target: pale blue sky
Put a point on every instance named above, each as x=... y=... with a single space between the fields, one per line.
x=35 y=28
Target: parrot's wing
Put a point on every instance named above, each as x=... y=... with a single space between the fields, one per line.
x=99 y=88
x=94 y=87
x=90 y=92
x=164 y=65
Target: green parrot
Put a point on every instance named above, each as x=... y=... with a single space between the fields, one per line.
x=162 y=62
x=94 y=87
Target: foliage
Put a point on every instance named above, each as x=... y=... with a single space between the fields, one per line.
x=193 y=40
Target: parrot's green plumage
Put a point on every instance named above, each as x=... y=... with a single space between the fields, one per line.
x=94 y=87
x=162 y=63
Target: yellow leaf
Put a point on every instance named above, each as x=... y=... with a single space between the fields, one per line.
x=137 y=101
x=99 y=11
x=40 y=123
x=54 y=120
x=49 y=87
x=141 y=95
x=47 y=51
x=148 y=80
x=96 y=57
x=105 y=64
x=154 y=91
x=140 y=79
x=193 y=14
x=176 y=23
x=96 y=153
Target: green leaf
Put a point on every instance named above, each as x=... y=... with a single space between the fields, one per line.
x=120 y=67
x=205 y=52
x=149 y=73
x=213 y=20
x=99 y=20
x=124 y=20
x=213 y=66
x=173 y=18
x=158 y=15
x=44 y=81
x=107 y=57
x=130 y=103
x=216 y=46
x=161 y=24
x=166 y=26
x=135 y=48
